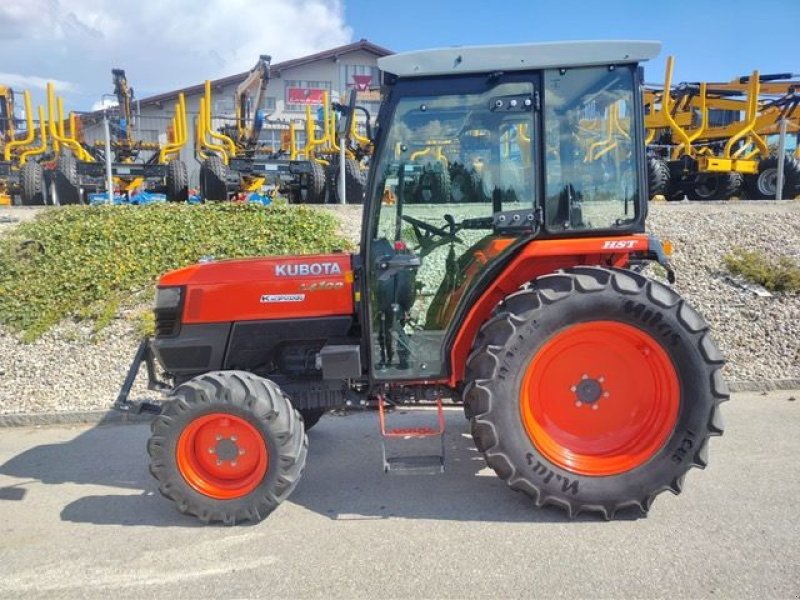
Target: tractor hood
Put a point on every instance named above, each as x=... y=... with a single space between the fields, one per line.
x=278 y=287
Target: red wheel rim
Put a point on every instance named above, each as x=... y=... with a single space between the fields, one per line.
x=600 y=398
x=222 y=456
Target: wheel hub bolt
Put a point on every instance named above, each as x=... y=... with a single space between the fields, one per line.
x=589 y=391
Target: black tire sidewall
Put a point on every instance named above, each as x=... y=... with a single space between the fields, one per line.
x=668 y=463
x=273 y=468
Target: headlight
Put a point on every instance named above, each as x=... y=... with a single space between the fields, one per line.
x=168 y=297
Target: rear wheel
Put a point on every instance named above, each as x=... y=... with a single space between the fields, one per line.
x=717 y=186
x=764 y=185
x=595 y=390
x=434 y=185
x=214 y=180
x=313 y=184
x=65 y=180
x=177 y=181
x=731 y=185
x=354 y=181
x=657 y=177
x=33 y=186
x=228 y=447
x=707 y=187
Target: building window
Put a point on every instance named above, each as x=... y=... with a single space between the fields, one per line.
x=269 y=103
x=299 y=94
x=224 y=107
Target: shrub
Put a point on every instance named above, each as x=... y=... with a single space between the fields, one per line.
x=781 y=274
x=90 y=262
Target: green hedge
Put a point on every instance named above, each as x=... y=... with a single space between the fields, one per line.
x=88 y=262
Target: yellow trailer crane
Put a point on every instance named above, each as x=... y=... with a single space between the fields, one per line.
x=709 y=140
x=21 y=172
x=136 y=165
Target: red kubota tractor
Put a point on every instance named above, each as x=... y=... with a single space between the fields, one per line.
x=588 y=385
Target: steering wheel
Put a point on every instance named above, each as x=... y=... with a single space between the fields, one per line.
x=426 y=233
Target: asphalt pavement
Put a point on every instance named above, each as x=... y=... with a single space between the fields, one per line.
x=80 y=516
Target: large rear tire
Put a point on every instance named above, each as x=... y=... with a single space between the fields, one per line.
x=214 y=180
x=177 y=181
x=33 y=186
x=228 y=447
x=595 y=390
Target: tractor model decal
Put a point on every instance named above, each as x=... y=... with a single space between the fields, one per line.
x=269 y=298
x=321 y=285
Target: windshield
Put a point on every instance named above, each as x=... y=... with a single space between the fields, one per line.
x=590 y=166
x=479 y=144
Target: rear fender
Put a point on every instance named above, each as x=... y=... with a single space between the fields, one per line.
x=537 y=258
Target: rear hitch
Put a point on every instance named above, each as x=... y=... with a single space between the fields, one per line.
x=144 y=354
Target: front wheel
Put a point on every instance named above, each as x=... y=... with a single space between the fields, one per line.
x=228 y=447
x=595 y=390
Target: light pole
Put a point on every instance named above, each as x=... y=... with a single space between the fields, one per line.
x=107 y=133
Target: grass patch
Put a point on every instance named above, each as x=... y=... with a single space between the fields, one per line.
x=88 y=263
x=781 y=274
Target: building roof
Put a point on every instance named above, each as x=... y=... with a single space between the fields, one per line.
x=275 y=68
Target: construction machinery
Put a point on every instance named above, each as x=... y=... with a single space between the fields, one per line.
x=136 y=166
x=235 y=165
x=323 y=146
x=588 y=385
x=710 y=140
x=22 y=174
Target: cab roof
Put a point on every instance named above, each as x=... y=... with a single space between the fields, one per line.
x=485 y=59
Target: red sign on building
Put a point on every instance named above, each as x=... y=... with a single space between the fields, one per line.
x=295 y=95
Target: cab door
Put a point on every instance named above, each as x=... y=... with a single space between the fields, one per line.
x=449 y=164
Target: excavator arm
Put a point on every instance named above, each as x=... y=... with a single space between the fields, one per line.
x=248 y=127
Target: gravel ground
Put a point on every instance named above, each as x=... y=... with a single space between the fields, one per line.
x=69 y=369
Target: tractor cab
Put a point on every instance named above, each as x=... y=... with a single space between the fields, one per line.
x=470 y=162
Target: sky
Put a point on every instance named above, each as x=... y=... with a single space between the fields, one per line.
x=167 y=44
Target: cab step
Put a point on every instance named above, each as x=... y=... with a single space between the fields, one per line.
x=424 y=464
x=419 y=464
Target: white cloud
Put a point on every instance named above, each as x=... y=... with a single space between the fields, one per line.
x=161 y=45
x=31 y=82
